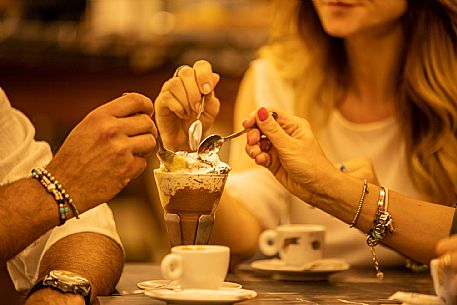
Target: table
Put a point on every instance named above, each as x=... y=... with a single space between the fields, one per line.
x=355 y=286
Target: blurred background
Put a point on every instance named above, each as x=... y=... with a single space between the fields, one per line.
x=59 y=59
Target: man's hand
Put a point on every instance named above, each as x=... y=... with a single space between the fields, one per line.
x=106 y=150
x=49 y=296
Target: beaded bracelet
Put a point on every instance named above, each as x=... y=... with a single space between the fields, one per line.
x=382 y=225
x=54 y=188
x=359 y=208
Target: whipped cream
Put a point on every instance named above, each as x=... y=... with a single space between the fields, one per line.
x=185 y=162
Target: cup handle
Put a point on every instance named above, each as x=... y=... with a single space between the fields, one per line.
x=171 y=267
x=268 y=242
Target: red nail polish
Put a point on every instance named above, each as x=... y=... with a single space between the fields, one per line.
x=263 y=114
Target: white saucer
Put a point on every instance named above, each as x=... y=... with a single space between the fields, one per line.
x=201 y=296
x=169 y=284
x=314 y=271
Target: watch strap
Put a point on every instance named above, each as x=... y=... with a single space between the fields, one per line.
x=41 y=284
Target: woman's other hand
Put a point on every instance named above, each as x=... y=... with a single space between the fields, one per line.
x=447 y=251
x=179 y=100
x=294 y=156
x=361 y=168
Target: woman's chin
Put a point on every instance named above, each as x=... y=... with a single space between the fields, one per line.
x=338 y=33
x=339 y=29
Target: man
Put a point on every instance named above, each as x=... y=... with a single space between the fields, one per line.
x=38 y=240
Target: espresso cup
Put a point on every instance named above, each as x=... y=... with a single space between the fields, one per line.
x=197 y=266
x=296 y=244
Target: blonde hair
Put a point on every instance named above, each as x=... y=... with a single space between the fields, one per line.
x=314 y=63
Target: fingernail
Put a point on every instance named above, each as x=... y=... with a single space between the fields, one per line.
x=263 y=114
x=125 y=93
x=206 y=88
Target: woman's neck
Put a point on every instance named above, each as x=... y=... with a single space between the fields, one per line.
x=375 y=61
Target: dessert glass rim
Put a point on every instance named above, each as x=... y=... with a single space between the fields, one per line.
x=159 y=171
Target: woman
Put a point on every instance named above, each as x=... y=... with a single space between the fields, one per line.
x=292 y=158
x=374 y=79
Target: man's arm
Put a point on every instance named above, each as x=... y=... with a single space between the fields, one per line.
x=100 y=156
x=24 y=204
x=94 y=256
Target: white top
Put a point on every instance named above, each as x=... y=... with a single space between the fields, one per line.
x=341 y=140
x=19 y=154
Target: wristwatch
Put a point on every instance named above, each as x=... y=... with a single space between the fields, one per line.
x=66 y=282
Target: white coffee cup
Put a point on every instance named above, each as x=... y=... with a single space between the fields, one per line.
x=197 y=266
x=296 y=244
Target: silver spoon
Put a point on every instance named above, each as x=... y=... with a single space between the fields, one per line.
x=213 y=143
x=166 y=156
x=196 y=128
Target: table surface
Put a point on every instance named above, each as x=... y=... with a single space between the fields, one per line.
x=354 y=286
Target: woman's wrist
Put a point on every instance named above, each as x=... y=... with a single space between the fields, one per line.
x=339 y=195
x=324 y=189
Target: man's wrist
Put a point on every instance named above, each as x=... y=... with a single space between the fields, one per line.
x=51 y=296
x=66 y=282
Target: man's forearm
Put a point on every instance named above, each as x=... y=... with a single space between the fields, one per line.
x=94 y=256
x=24 y=204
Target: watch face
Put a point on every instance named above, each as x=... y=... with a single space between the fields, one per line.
x=69 y=277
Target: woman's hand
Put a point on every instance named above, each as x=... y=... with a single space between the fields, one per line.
x=361 y=168
x=295 y=157
x=447 y=266
x=179 y=100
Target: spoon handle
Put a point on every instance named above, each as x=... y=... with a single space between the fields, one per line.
x=202 y=107
x=165 y=155
x=239 y=133
x=236 y=134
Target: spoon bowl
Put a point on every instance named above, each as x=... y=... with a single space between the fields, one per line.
x=166 y=156
x=213 y=143
x=196 y=128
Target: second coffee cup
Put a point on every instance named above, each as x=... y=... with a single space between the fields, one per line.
x=296 y=244
x=197 y=266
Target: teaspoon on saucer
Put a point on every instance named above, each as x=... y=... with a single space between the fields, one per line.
x=213 y=143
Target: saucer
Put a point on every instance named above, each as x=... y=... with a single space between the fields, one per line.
x=201 y=296
x=158 y=284
x=314 y=271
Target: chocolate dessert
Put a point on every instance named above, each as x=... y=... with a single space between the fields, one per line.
x=190 y=192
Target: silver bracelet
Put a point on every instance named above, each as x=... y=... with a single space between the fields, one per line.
x=382 y=225
x=359 y=208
